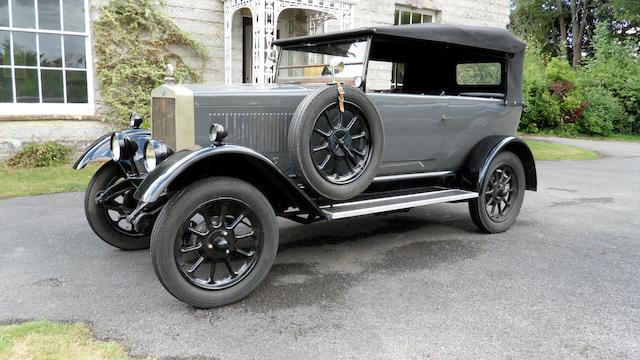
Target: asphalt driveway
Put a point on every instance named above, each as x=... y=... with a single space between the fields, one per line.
x=564 y=282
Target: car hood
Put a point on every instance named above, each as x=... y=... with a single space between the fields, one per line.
x=249 y=89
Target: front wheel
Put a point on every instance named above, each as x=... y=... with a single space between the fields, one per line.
x=502 y=194
x=215 y=242
x=107 y=216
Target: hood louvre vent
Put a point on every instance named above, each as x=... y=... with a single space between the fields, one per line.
x=263 y=132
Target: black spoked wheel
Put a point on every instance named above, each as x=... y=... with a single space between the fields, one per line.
x=336 y=154
x=502 y=194
x=108 y=201
x=340 y=143
x=215 y=242
x=220 y=244
x=117 y=205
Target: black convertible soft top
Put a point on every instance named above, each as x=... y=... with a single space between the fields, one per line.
x=477 y=37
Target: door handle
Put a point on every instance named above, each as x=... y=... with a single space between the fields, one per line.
x=445 y=118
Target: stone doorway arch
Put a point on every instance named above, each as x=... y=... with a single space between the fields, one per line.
x=264 y=16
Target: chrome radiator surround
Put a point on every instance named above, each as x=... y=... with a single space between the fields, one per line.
x=173 y=116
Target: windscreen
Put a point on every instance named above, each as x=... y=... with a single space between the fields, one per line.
x=310 y=63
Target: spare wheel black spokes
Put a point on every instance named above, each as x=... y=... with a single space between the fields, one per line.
x=219 y=244
x=340 y=149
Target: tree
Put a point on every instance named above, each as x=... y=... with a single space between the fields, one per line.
x=565 y=27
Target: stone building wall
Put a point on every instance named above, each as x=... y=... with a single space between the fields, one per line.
x=204 y=20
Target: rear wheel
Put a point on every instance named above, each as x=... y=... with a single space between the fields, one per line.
x=215 y=242
x=107 y=216
x=502 y=194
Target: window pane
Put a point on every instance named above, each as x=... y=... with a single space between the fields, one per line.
x=49 y=14
x=427 y=18
x=479 y=74
x=4 y=12
x=76 y=86
x=50 y=50
x=396 y=17
x=74 y=54
x=6 y=85
x=73 y=11
x=5 y=48
x=416 y=18
x=24 y=49
x=27 y=86
x=405 y=17
x=24 y=13
x=52 y=86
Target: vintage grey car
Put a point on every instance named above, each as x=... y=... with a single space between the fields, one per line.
x=357 y=122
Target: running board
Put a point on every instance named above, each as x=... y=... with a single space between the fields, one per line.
x=374 y=206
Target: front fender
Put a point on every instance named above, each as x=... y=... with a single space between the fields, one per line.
x=101 y=148
x=185 y=167
x=477 y=164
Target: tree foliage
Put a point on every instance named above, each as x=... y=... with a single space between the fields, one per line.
x=600 y=98
x=565 y=28
x=134 y=41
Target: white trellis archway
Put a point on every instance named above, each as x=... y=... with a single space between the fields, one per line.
x=264 y=14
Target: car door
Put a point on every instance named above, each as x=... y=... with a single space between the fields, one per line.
x=413 y=130
x=468 y=120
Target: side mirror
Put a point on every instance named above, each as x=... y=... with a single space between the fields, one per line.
x=336 y=66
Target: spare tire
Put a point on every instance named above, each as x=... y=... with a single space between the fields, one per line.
x=337 y=154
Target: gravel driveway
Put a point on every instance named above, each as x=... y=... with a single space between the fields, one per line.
x=564 y=282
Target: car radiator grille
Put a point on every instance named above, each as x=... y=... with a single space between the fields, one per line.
x=262 y=132
x=163 y=120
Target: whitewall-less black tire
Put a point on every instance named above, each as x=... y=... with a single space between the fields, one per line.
x=214 y=242
x=501 y=196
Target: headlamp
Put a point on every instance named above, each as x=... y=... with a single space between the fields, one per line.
x=122 y=147
x=154 y=153
x=217 y=133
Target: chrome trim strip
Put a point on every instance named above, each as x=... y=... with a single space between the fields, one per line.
x=446 y=196
x=411 y=176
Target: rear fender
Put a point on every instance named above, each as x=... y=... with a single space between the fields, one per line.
x=101 y=148
x=477 y=164
x=186 y=167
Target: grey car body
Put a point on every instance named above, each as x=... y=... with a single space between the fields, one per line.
x=422 y=132
x=221 y=162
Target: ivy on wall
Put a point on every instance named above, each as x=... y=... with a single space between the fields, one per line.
x=133 y=42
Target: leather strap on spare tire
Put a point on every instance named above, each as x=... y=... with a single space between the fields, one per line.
x=336 y=141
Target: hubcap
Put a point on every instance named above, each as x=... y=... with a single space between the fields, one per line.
x=118 y=205
x=219 y=245
x=340 y=143
x=500 y=193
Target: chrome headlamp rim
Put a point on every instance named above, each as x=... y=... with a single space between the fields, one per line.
x=154 y=153
x=115 y=147
x=122 y=147
x=217 y=133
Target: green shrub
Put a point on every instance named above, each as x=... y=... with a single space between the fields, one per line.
x=40 y=155
x=602 y=115
x=601 y=98
x=615 y=69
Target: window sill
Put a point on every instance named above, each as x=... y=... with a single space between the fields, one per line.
x=50 y=118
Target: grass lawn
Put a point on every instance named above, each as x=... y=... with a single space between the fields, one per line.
x=547 y=151
x=50 y=340
x=44 y=180
x=613 y=137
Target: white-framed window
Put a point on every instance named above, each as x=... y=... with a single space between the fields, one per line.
x=45 y=57
x=405 y=15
